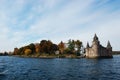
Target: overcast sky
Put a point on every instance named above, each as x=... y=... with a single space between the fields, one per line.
x=29 y=21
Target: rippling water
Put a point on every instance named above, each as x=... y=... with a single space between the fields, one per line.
x=15 y=68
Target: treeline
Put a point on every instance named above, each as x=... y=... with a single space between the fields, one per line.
x=4 y=54
x=48 y=47
x=115 y=52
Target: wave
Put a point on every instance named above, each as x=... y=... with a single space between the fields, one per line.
x=4 y=72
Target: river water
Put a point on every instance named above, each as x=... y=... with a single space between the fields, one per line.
x=15 y=68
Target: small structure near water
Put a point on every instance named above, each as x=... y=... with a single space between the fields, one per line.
x=97 y=50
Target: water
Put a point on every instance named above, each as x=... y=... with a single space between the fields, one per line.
x=15 y=68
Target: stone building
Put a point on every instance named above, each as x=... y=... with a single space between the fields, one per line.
x=97 y=50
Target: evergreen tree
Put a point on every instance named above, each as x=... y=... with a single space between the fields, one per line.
x=71 y=45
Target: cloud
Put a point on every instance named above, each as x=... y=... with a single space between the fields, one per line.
x=26 y=21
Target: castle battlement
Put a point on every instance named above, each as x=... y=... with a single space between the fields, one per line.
x=96 y=50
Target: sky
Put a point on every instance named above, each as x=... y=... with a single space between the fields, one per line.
x=29 y=21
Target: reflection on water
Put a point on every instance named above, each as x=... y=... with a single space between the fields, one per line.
x=14 y=68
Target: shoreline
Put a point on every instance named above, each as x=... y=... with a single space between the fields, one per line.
x=48 y=57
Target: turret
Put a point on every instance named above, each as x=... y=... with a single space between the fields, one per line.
x=95 y=45
x=109 y=46
x=95 y=40
x=87 y=50
x=87 y=46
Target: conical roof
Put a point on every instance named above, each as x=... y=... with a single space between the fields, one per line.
x=87 y=45
x=95 y=38
x=108 y=44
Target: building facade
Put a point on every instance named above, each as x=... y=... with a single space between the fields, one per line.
x=97 y=50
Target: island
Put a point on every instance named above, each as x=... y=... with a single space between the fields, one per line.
x=71 y=49
x=48 y=49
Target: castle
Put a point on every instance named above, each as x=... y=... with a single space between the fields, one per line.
x=97 y=50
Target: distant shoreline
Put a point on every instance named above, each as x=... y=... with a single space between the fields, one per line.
x=116 y=52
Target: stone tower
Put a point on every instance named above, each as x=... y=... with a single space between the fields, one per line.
x=95 y=45
x=109 y=47
x=97 y=50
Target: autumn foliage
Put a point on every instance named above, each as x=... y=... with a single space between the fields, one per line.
x=48 y=47
x=28 y=51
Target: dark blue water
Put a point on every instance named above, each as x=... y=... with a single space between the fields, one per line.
x=15 y=68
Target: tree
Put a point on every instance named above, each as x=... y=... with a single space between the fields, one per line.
x=50 y=47
x=46 y=46
x=43 y=46
x=61 y=46
x=32 y=47
x=78 y=45
x=71 y=45
x=28 y=51
x=5 y=53
x=53 y=48
x=15 y=51
x=37 y=48
x=21 y=51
